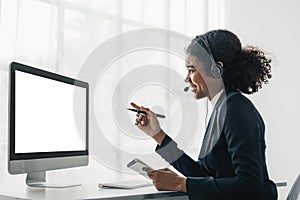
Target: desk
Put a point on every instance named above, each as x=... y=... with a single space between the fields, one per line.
x=14 y=187
x=88 y=191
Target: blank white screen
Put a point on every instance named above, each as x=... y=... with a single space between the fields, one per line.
x=44 y=117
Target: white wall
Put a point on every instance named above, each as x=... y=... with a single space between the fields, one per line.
x=273 y=25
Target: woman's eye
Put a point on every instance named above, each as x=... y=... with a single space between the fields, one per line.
x=191 y=70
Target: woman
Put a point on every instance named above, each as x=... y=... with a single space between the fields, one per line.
x=231 y=162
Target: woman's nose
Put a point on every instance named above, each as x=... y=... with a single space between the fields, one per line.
x=187 y=79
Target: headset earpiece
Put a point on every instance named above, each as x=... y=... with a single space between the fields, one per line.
x=216 y=70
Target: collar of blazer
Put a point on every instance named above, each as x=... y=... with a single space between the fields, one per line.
x=215 y=125
x=224 y=97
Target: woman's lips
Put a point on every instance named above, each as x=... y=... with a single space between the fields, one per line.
x=193 y=88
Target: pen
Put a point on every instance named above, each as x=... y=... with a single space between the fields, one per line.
x=143 y=112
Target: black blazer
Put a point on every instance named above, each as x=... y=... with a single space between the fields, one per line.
x=231 y=164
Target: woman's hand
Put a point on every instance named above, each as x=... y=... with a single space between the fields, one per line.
x=148 y=123
x=165 y=179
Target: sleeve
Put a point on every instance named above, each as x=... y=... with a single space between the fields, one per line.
x=178 y=159
x=242 y=129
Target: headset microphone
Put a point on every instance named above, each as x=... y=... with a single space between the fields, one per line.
x=186 y=88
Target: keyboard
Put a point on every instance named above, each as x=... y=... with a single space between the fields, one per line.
x=129 y=184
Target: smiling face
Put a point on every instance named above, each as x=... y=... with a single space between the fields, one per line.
x=197 y=77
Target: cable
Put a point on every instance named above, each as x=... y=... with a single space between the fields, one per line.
x=206 y=113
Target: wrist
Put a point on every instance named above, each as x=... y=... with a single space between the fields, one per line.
x=159 y=137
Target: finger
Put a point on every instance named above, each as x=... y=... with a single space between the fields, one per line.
x=145 y=108
x=154 y=174
x=139 y=125
x=147 y=169
x=148 y=111
x=138 y=120
x=135 y=106
x=149 y=174
x=143 y=118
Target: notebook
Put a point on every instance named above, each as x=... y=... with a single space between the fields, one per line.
x=129 y=184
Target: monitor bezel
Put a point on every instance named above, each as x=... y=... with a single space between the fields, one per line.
x=15 y=66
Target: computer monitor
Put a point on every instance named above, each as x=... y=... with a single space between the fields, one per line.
x=48 y=126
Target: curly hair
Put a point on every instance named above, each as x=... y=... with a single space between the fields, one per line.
x=245 y=68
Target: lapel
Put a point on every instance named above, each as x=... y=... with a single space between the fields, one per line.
x=215 y=125
x=209 y=138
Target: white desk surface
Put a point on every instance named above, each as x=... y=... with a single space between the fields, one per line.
x=14 y=187
x=86 y=191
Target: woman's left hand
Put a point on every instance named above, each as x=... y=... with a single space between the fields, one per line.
x=166 y=179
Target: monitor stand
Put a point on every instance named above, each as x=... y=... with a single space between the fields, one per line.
x=38 y=179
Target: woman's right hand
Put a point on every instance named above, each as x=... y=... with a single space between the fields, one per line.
x=147 y=123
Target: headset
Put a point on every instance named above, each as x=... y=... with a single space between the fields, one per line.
x=216 y=70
